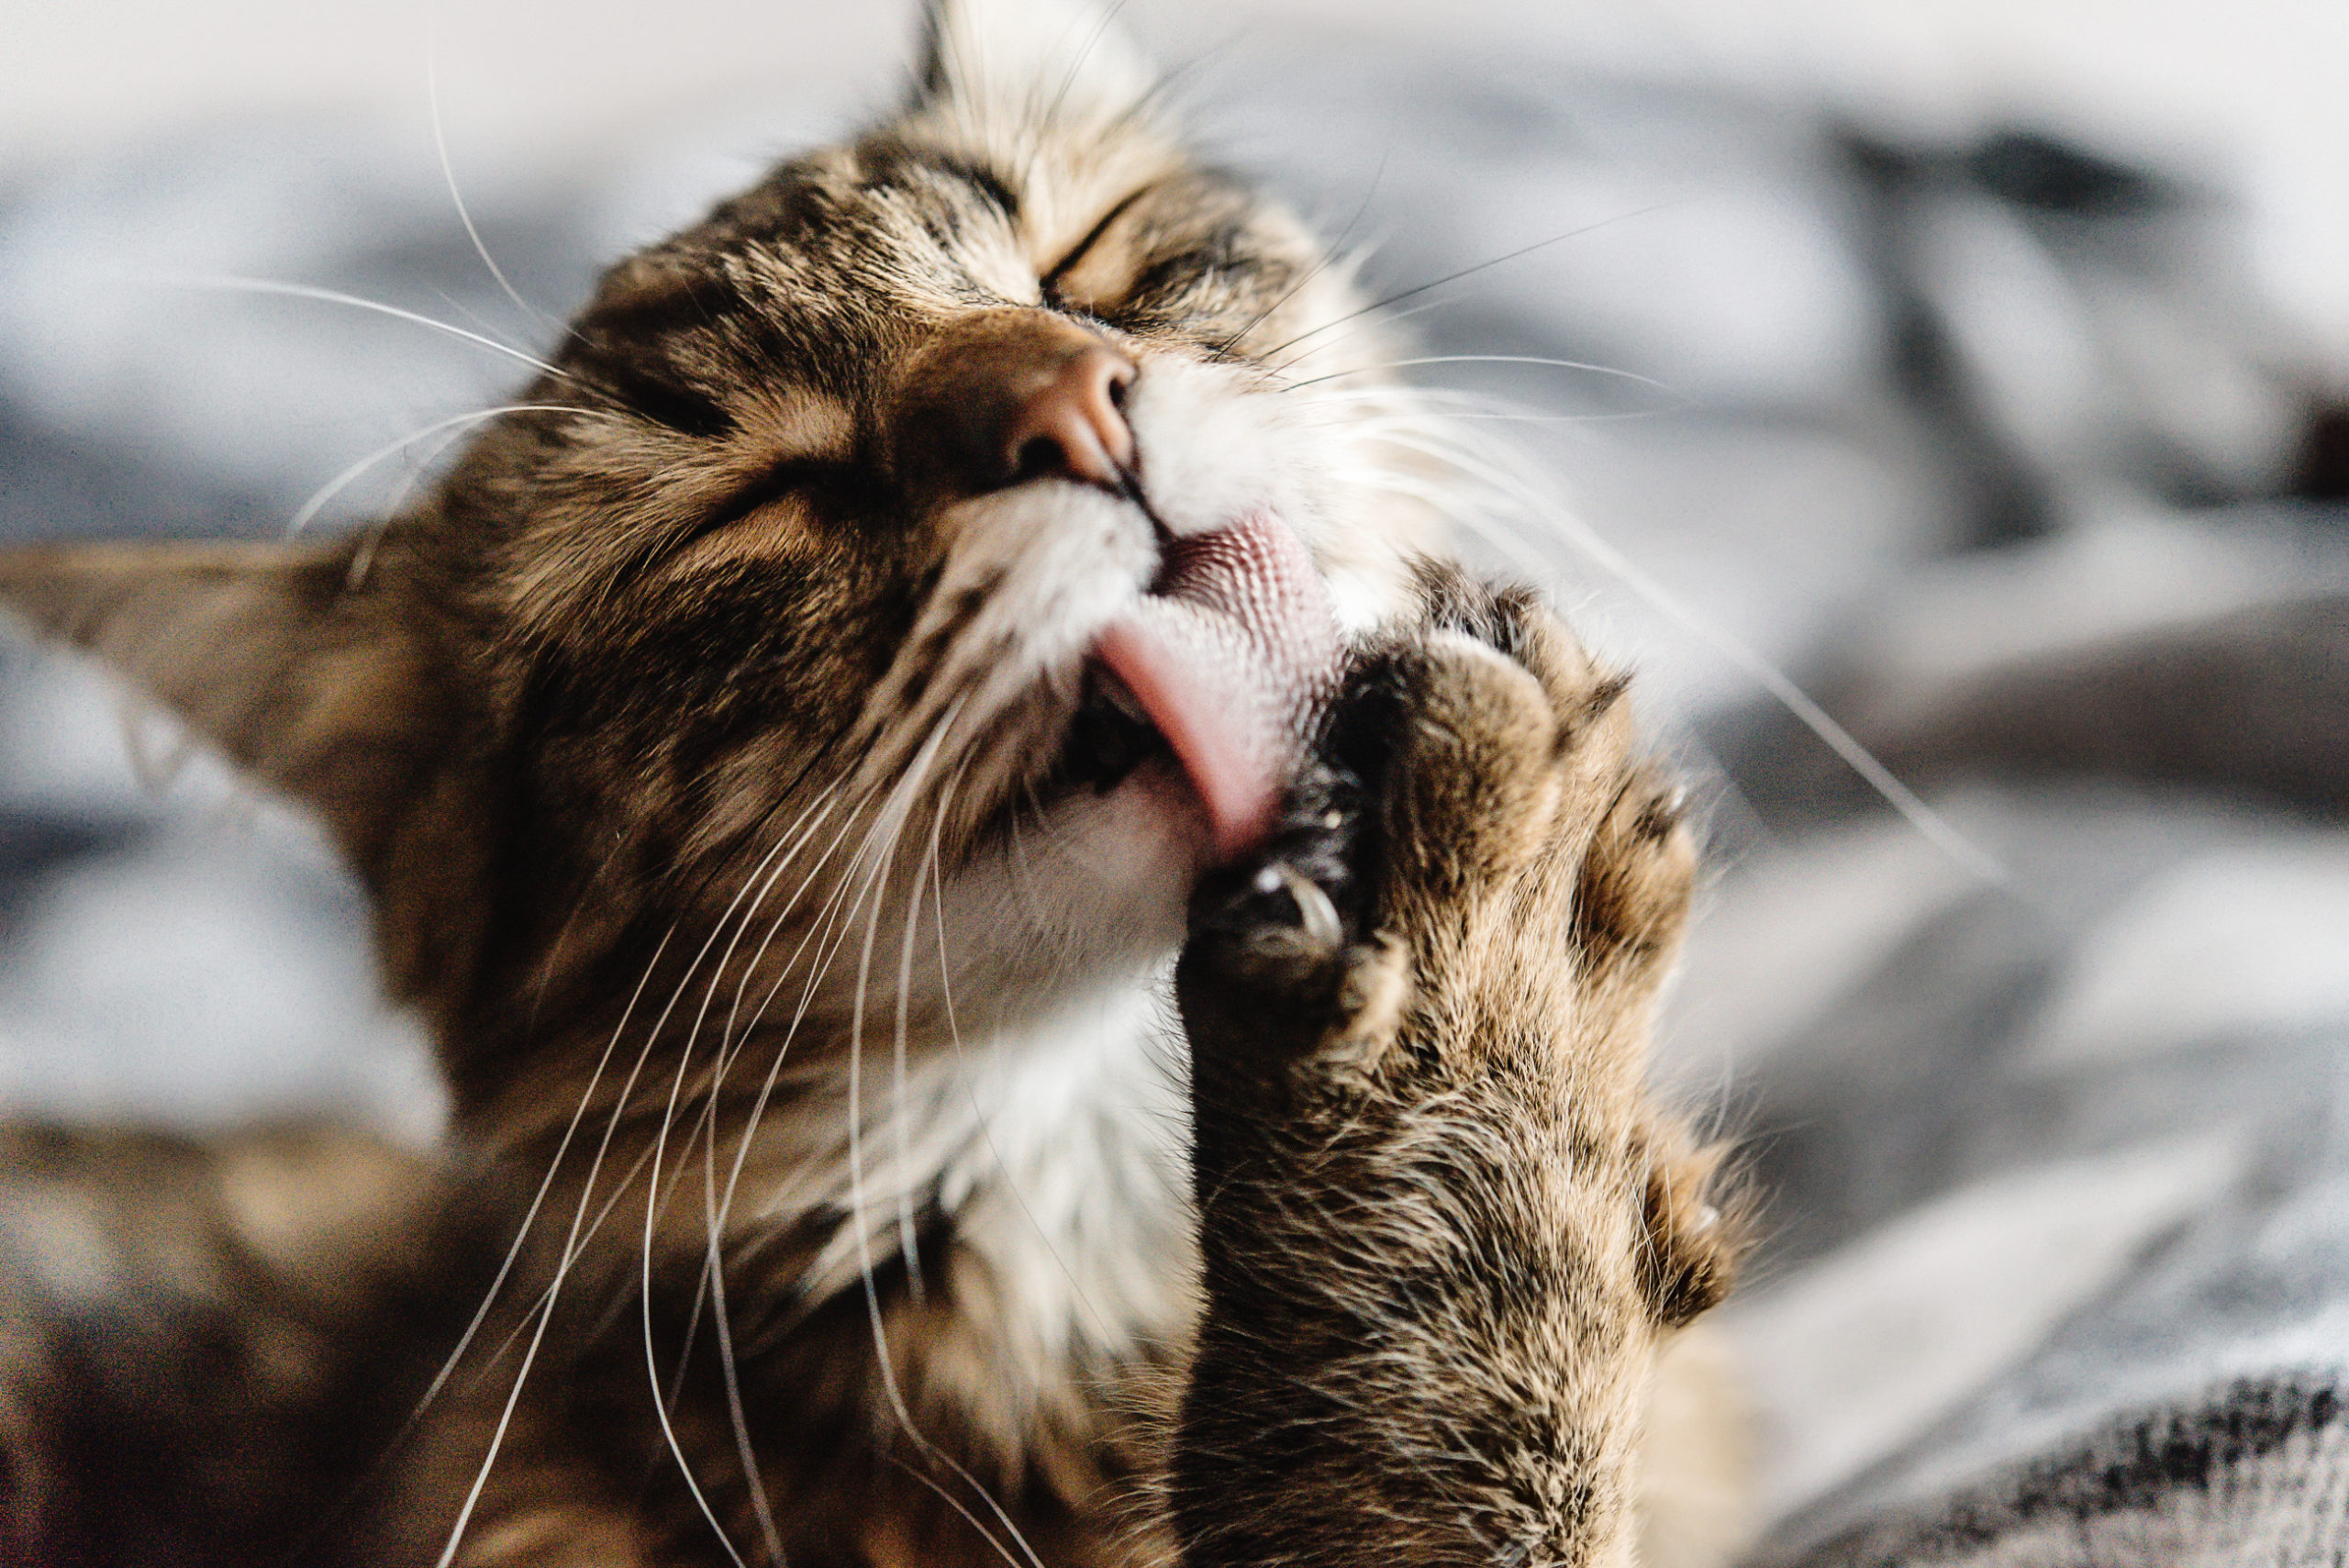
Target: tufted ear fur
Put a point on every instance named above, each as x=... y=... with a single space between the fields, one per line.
x=313 y=686
x=1026 y=62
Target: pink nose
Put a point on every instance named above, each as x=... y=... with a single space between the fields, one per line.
x=1011 y=395
x=1072 y=422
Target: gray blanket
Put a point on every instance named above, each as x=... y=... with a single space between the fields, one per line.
x=1991 y=444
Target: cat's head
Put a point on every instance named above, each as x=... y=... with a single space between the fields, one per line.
x=799 y=596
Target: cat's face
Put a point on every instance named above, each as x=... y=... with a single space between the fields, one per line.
x=932 y=528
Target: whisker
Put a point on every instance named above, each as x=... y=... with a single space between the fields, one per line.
x=344 y=480
x=956 y=1504
x=714 y=1269
x=1491 y=470
x=1347 y=332
x=229 y=284
x=489 y=1297
x=980 y=1117
x=1330 y=255
x=1609 y=370
x=654 y=1208
x=547 y=1292
x=449 y=172
x=741 y=986
x=715 y=1224
x=829 y=919
x=570 y=1245
x=573 y=1244
x=1410 y=405
x=735 y=1414
x=1101 y=24
x=1470 y=272
x=895 y=819
x=808 y=991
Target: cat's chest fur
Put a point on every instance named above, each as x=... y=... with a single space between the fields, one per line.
x=1042 y=1167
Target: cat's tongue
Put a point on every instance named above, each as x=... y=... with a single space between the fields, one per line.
x=1231 y=655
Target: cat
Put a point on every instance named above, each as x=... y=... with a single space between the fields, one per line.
x=785 y=754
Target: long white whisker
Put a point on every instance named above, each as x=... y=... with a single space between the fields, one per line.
x=449 y=172
x=968 y=1517
x=1382 y=307
x=1343 y=404
x=1610 y=372
x=570 y=1245
x=586 y=1234
x=829 y=919
x=653 y=1206
x=572 y=1241
x=1381 y=321
x=856 y=1167
x=652 y=1210
x=794 y=839
x=230 y=285
x=344 y=480
x=893 y=821
x=817 y=934
x=714 y=1270
x=1489 y=469
x=897 y=1071
x=735 y=1413
x=530 y=1218
x=758 y=955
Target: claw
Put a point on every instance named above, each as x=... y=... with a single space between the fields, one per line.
x=1315 y=913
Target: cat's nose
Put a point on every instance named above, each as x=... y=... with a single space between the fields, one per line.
x=1073 y=422
x=1006 y=396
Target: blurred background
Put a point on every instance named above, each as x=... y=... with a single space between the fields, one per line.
x=1977 y=364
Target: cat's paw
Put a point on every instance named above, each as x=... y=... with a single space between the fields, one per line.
x=1477 y=834
x=1532 y=853
x=1434 y=1196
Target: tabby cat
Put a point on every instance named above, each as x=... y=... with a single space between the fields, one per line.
x=786 y=756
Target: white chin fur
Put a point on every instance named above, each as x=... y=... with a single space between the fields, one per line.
x=1092 y=892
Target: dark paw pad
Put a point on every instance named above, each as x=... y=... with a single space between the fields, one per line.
x=1274 y=930
x=1298 y=900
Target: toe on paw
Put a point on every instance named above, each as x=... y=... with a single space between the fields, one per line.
x=1473 y=786
x=1632 y=896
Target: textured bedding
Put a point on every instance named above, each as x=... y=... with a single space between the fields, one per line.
x=1991 y=444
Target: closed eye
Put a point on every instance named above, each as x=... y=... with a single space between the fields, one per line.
x=1062 y=268
x=789 y=479
x=791 y=476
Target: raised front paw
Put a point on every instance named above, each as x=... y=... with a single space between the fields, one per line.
x=1476 y=847
x=1442 y=1226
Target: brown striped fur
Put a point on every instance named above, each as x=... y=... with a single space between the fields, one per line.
x=696 y=702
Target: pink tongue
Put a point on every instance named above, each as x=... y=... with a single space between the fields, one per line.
x=1230 y=656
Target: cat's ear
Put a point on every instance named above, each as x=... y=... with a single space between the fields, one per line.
x=269 y=651
x=1014 y=62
